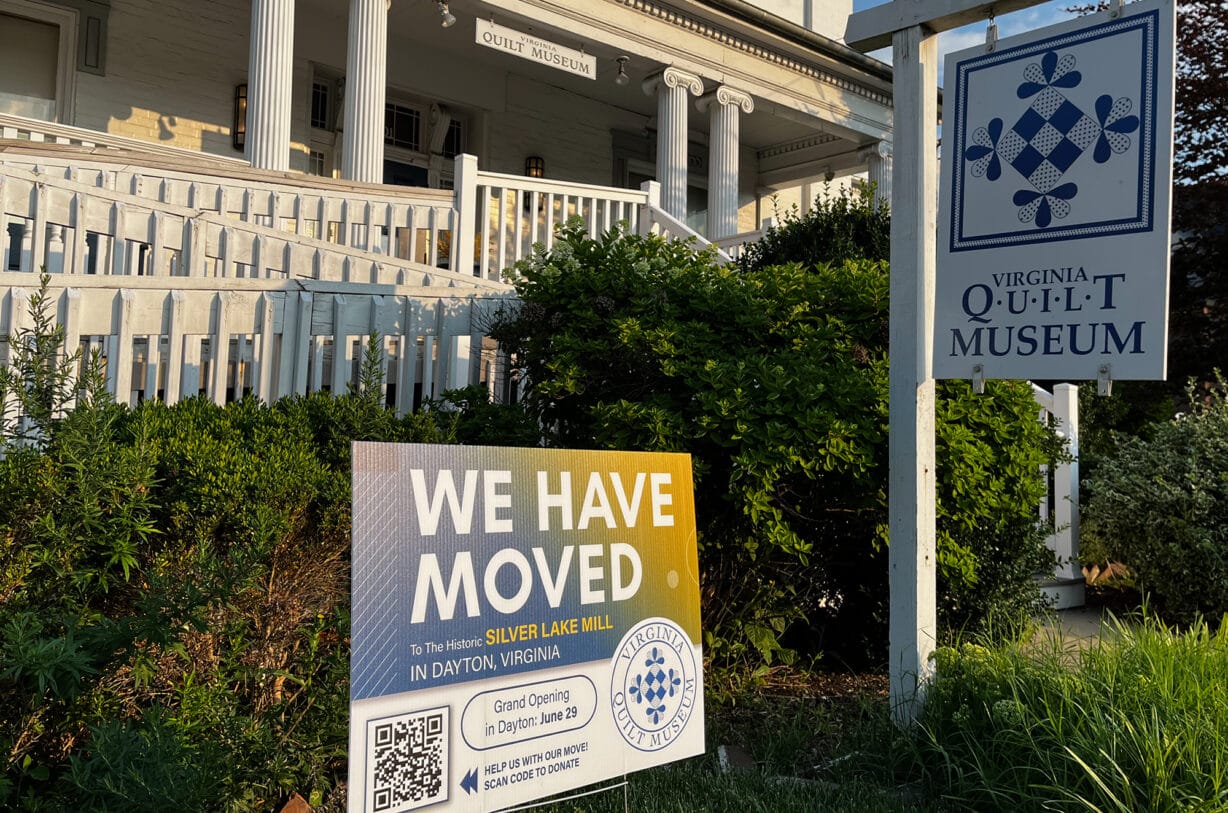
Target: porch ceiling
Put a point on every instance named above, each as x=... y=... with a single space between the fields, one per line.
x=414 y=29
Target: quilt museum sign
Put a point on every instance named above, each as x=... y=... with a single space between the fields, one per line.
x=525 y=621
x=1054 y=210
x=535 y=49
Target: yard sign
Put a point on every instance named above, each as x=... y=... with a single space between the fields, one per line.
x=1053 y=238
x=525 y=621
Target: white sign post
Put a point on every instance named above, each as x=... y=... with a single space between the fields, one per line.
x=1054 y=231
x=912 y=28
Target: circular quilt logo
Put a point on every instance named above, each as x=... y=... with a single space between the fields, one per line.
x=654 y=684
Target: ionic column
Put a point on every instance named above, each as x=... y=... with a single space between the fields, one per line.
x=724 y=106
x=671 y=87
x=270 y=73
x=366 y=71
x=877 y=159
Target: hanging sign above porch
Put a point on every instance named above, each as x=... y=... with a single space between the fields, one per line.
x=535 y=49
x=1053 y=237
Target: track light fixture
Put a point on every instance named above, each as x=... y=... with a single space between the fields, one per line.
x=446 y=18
x=622 y=78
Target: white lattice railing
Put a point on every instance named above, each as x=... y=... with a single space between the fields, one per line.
x=182 y=302
x=1060 y=508
x=408 y=224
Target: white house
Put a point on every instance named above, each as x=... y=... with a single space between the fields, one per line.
x=293 y=174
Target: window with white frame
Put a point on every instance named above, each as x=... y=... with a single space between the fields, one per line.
x=38 y=46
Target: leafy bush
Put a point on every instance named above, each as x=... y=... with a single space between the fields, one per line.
x=1138 y=721
x=174 y=589
x=1157 y=504
x=775 y=381
x=836 y=229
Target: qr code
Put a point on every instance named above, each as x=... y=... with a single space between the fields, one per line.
x=407 y=761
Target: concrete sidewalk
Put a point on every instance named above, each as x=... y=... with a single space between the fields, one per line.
x=1077 y=627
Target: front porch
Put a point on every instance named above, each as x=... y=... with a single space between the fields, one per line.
x=722 y=108
x=199 y=276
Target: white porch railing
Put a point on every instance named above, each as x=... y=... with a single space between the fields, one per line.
x=194 y=274
x=182 y=301
x=412 y=224
x=656 y=220
x=483 y=227
x=173 y=339
x=510 y=213
x=75 y=228
x=734 y=245
x=1060 y=409
x=36 y=131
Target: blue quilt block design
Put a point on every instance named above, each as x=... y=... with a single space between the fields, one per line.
x=1049 y=138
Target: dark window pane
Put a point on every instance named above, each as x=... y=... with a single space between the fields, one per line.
x=454 y=141
x=319 y=105
x=402 y=126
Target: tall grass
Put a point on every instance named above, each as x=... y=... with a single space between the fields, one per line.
x=1137 y=722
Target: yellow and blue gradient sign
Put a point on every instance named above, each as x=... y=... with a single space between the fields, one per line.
x=525 y=621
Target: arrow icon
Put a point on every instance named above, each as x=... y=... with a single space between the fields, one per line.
x=470 y=783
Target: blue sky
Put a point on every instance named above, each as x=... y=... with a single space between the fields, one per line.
x=1008 y=25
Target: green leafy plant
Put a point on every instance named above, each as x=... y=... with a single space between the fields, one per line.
x=1157 y=504
x=1137 y=720
x=775 y=381
x=845 y=226
x=174 y=586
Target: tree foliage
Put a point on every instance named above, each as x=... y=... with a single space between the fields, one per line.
x=1157 y=504
x=1198 y=299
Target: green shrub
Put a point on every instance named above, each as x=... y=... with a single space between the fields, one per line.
x=1136 y=722
x=174 y=588
x=837 y=228
x=775 y=381
x=1158 y=504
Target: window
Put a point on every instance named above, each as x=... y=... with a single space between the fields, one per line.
x=38 y=45
x=402 y=127
x=316 y=163
x=321 y=103
x=454 y=141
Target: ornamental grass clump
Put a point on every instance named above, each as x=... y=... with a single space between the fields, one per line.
x=1136 y=722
